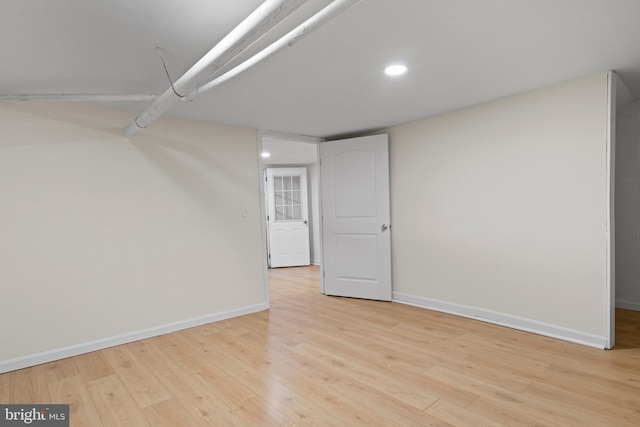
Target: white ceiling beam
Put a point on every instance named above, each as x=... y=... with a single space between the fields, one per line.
x=258 y=23
x=316 y=21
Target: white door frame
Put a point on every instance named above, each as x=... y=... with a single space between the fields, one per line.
x=263 y=210
x=610 y=213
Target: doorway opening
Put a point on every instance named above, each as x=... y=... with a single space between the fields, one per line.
x=349 y=232
x=291 y=201
x=626 y=187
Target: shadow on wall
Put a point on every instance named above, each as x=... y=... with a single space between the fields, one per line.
x=78 y=114
x=627 y=207
x=193 y=166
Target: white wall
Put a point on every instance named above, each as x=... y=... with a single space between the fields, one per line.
x=105 y=240
x=627 y=195
x=499 y=211
x=289 y=151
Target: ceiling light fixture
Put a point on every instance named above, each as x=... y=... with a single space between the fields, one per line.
x=395 y=70
x=265 y=154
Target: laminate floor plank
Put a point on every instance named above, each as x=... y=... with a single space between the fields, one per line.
x=141 y=382
x=73 y=391
x=114 y=405
x=199 y=399
x=169 y=413
x=29 y=386
x=93 y=365
x=5 y=387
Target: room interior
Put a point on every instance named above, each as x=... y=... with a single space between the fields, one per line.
x=513 y=144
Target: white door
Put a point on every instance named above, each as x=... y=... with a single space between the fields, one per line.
x=356 y=217
x=287 y=217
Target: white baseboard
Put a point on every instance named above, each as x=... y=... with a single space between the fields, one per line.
x=502 y=319
x=75 y=350
x=628 y=305
x=315 y=262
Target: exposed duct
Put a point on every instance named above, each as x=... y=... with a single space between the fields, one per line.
x=325 y=15
x=258 y=23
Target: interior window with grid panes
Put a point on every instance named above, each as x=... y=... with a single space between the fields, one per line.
x=287 y=198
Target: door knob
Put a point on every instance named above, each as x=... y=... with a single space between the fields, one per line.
x=384 y=227
x=305 y=221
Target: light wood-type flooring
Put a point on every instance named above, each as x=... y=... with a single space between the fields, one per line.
x=318 y=360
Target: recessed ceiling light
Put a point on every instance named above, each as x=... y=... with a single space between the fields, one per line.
x=265 y=154
x=395 y=70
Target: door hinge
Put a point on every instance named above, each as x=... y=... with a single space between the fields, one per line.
x=324 y=274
